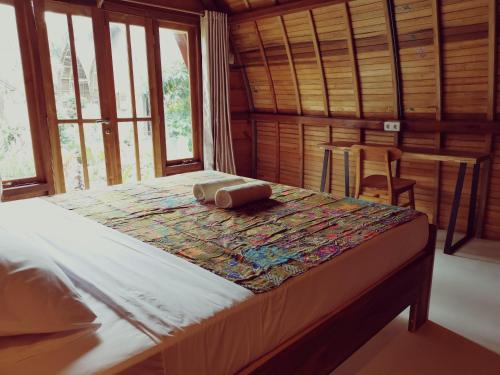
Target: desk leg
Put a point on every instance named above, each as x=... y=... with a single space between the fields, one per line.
x=485 y=182
x=454 y=209
x=326 y=159
x=472 y=203
x=347 y=189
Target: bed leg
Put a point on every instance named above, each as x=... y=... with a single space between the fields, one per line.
x=419 y=310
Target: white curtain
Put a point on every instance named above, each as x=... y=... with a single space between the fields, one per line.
x=217 y=141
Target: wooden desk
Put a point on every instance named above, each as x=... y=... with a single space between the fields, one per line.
x=463 y=158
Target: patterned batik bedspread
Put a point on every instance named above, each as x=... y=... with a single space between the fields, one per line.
x=258 y=246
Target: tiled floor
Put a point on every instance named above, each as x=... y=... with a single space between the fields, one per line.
x=463 y=334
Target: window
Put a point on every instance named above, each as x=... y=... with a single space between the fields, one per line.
x=110 y=97
x=176 y=93
x=16 y=146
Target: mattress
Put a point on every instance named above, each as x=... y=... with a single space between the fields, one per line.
x=234 y=337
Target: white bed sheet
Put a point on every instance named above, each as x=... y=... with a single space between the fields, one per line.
x=139 y=293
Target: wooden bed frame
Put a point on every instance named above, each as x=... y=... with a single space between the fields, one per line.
x=326 y=344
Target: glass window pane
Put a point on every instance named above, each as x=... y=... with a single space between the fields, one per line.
x=16 y=148
x=127 y=151
x=96 y=161
x=176 y=94
x=146 y=150
x=121 y=69
x=62 y=68
x=87 y=71
x=71 y=157
x=140 y=65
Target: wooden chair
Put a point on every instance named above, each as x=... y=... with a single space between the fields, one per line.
x=376 y=186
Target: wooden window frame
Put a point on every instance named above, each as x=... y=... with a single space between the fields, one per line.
x=195 y=81
x=42 y=182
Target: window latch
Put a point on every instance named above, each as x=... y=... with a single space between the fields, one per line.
x=103 y=121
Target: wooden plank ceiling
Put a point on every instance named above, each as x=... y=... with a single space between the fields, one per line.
x=337 y=58
x=428 y=60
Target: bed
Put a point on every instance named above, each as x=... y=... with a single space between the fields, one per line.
x=287 y=319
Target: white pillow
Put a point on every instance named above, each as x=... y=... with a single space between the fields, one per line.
x=35 y=294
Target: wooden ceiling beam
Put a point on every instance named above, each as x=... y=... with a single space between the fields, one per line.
x=438 y=64
x=417 y=126
x=266 y=66
x=390 y=21
x=281 y=10
x=354 y=62
x=153 y=12
x=492 y=58
x=243 y=69
x=187 y=6
x=293 y=72
x=213 y=5
x=318 y=120
x=319 y=62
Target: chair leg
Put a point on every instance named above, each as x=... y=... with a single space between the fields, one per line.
x=393 y=199
x=411 y=196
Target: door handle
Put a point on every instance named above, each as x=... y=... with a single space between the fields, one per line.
x=103 y=121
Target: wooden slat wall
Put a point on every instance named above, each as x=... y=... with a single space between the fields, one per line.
x=373 y=56
x=313 y=156
x=465 y=57
x=299 y=33
x=247 y=44
x=279 y=65
x=447 y=61
x=416 y=37
x=289 y=156
x=416 y=51
x=267 y=151
x=333 y=36
x=241 y=128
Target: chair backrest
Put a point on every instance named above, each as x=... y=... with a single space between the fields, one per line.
x=384 y=154
x=378 y=153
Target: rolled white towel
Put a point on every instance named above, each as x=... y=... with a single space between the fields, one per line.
x=238 y=195
x=205 y=191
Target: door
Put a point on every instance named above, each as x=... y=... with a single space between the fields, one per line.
x=135 y=100
x=76 y=114
x=99 y=96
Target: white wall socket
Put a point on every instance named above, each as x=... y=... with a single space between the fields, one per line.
x=392 y=126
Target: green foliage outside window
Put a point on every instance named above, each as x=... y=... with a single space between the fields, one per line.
x=15 y=140
x=178 y=102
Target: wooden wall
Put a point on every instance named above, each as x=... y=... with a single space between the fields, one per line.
x=345 y=58
x=240 y=127
x=429 y=60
